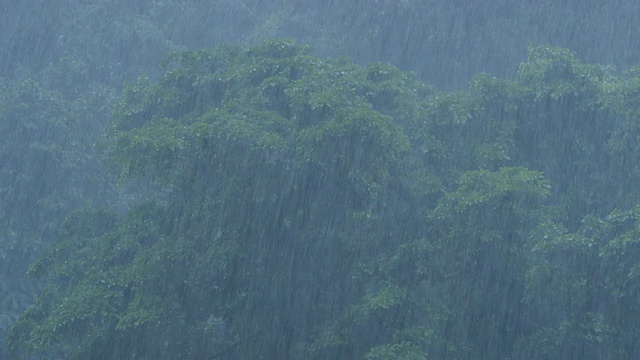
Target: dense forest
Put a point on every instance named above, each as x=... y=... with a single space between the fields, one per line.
x=396 y=180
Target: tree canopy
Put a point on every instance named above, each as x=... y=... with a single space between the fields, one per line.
x=298 y=207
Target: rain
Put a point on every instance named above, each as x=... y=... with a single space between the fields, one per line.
x=319 y=179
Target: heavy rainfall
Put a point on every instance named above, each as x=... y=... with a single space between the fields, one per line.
x=319 y=179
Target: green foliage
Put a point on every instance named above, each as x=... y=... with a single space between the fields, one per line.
x=226 y=134
x=556 y=73
x=511 y=186
x=579 y=285
x=297 y=207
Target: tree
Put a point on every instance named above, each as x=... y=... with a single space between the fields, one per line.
x=295 y=207
x=262 y=157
